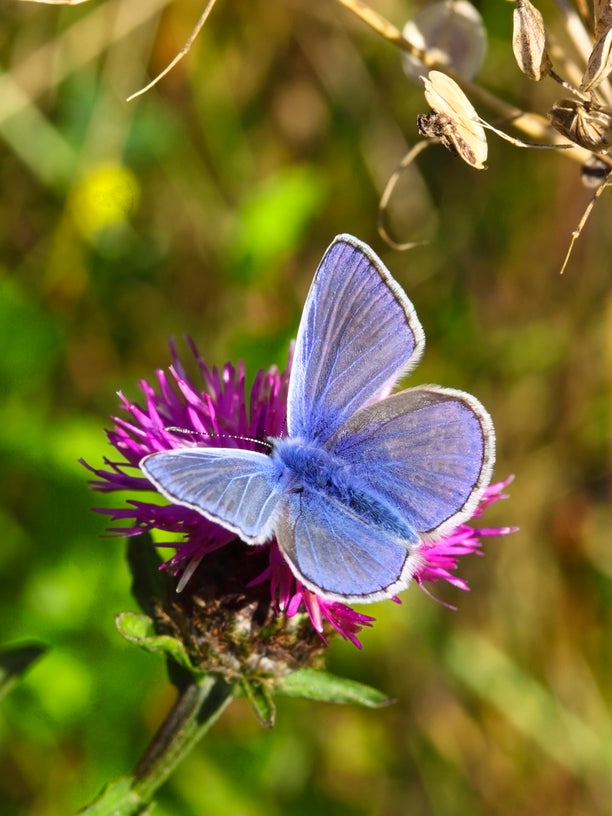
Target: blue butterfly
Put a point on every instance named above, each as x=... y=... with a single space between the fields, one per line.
x=362 y=477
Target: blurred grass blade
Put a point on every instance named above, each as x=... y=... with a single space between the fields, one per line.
x=530 y=707
x=83 y=41
x=50 y=157
x=14 y=662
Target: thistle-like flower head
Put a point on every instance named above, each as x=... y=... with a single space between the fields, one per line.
x=207 y=555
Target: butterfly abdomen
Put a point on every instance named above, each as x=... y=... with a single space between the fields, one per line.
x=310 y=467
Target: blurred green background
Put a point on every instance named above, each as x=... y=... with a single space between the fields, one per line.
x=203 y=208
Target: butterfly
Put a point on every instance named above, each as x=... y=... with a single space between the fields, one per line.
x=362 y=477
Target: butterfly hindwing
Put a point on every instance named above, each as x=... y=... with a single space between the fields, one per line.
x=339 y=555
x=235 y=488
x=428 y=451
x=358 y=334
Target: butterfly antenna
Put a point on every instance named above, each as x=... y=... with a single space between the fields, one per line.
x=252 y=439
x=235 y=437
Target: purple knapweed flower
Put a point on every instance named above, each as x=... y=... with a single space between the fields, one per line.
x=219 y=412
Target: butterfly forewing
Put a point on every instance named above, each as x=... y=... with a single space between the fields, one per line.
x=427 y=451
x=338 y=554
x=236 y=488
x=358 y=334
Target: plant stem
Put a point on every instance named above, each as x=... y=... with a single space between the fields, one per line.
x=198 y=706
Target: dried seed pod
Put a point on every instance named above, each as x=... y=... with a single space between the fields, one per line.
x=602 y=16
x=453 y=120
x=585 y=123
x=529 y=41
x=594 y=171
x=600 y=61
x=452 y=33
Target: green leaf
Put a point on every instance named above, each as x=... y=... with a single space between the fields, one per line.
x=139 y=629
x=291 y=197
x=147 y=580
x=118 y=799
x=258 y=694
x=311 y=684
x=14 y=662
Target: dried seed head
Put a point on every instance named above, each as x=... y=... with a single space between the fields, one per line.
x=452 y=33
x=453 y=120
x=231 y=631
x=584 y=123
x=529 y=41
x=439 y=126
x=600 y=62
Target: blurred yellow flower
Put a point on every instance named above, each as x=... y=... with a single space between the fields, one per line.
x=107 y=196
